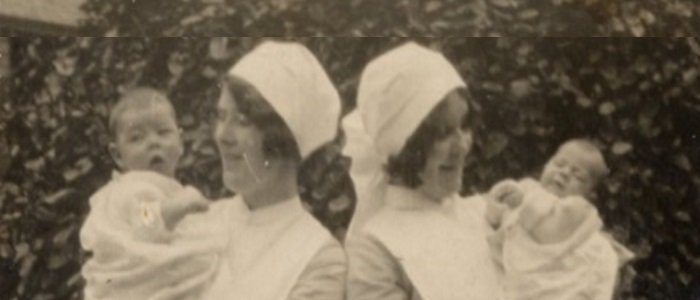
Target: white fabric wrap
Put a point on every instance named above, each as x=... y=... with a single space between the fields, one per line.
x=134 y=256
x=264 y=262
x=293 y=81
x=397 y=91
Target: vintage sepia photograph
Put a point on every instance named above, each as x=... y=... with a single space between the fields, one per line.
x=355 y=149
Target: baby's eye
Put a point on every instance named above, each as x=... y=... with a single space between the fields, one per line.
x=580 y=176
x=165 y=131
x=135 y=137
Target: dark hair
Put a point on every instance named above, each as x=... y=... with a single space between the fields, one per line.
x=405 y=166
x=278 y=140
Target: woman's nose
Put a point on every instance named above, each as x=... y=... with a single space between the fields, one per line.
x=224 y=135
x=154 y=140
x=463 y=141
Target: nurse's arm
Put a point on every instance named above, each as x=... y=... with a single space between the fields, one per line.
x=324 y=277
x=373 y=273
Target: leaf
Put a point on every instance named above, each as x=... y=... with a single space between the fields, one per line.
x=27 y=264
x=65 y=65
x=682 y=161
x=690 y=76
x=114 y=32
x=635 y=25
x=621 y=148
x=35 y=165
x=683 y=216
x=56 y=261
x=694 y=45
x=520 y=88
x=494 y=144
x=606 y=108
x=81 y=167
x=175 y=64
x=58 y=196
x=209 y=72
x=584 y=101
x=528 y=14
x=21 y=250
x=218 y=48
x=493 y=87
x=503 y=3
x=339 y=204
x=61 y=238
x=647 y=16
x=191 y=20
x=433 y=6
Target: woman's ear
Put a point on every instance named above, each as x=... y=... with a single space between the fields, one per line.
x=114 y=152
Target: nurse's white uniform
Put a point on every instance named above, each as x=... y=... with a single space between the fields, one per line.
x=416 y=248
x=277 y=252
x=402 y=245
x=280 y=251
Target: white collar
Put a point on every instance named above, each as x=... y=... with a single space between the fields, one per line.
x=287 y=209
x=410 y=199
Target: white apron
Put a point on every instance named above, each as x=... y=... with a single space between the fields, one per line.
x=441 y=247
x=268 y=250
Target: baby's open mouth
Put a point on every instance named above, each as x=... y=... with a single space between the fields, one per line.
x=156 y=161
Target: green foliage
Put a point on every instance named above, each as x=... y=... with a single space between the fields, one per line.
x=56 y=128
x=393 y=18
x=639 y=99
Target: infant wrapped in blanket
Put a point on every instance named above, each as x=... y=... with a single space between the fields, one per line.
x=550 y=244
x=148 y=234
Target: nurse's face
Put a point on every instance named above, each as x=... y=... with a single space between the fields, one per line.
x=240 y=143
x=442 y=175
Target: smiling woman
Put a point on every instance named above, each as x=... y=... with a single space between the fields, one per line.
x=267 y=146
x=412 y=236
x=433 y=157
x=276 y=108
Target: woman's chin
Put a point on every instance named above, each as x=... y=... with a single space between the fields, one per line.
x=234 y=183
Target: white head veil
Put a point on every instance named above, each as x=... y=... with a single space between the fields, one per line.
x=397 y=91
x=292 y=80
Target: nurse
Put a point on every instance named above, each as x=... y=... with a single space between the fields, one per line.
x=412 y=236
x=277 y=106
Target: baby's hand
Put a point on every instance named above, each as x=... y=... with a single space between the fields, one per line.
x=507 y=192
x=503 y=197
x=196 y=205
x=186 y=202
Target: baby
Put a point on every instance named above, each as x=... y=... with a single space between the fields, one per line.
x=549 y=238
x=139 y=248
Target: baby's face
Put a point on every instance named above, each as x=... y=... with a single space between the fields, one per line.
x=148 y=139
x=568 y=173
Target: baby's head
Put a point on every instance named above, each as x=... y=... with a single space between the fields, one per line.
x=575 y=169
x=144 y=131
